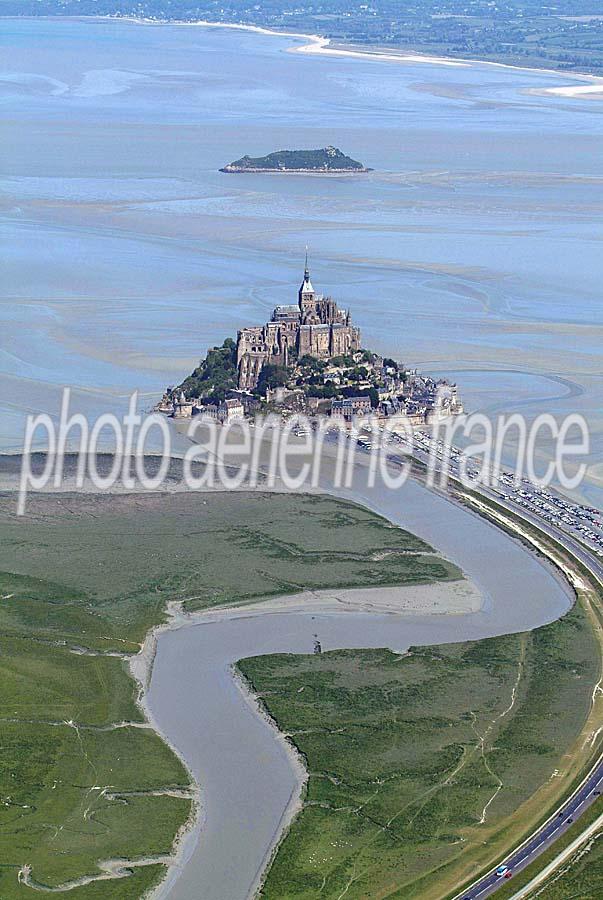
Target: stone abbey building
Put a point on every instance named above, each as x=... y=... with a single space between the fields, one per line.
x=314 y=327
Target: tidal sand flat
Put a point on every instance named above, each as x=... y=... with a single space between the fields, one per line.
x=445 y=598
x=471 y=250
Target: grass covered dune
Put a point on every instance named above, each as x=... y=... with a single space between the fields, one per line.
x=83 y=779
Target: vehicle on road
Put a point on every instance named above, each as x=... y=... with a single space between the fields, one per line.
x=501 y=870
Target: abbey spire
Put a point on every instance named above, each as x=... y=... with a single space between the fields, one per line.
x=306 y=291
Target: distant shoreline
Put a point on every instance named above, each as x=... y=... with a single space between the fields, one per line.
x=323 y=46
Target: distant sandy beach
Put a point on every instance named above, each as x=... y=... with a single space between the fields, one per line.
x=324 y=47
x=593 y=91
x=321 y=46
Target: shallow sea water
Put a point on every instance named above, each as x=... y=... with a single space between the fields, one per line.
x=473 y=249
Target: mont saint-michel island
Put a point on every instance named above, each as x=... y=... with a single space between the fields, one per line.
x=327 y=161
x=308 y=359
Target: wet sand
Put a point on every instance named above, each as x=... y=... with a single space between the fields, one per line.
x=472 y=250
x=444 y=598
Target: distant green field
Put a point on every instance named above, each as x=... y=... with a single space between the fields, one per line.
x=84 y=577
x=132 y=554
x=408 y=754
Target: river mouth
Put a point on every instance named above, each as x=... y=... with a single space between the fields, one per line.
x=249 y=778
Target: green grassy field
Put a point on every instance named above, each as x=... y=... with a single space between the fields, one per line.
x=413 y=760
x=82 y=579
x=131 y=554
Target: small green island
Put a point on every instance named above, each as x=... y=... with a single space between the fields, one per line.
x=329 y=161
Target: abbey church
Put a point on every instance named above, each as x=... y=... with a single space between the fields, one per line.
x=314 y=327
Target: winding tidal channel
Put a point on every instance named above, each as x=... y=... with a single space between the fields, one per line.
x=249 y=779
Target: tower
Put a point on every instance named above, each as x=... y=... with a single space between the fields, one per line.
x=307 y=296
